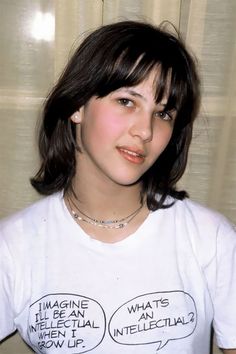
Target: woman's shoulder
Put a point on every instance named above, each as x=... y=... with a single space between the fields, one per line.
x=203 y=217
x=35 y=214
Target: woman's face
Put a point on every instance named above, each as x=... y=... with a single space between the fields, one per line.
x=122 y=134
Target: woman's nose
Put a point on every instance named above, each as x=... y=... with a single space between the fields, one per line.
x=142 y=127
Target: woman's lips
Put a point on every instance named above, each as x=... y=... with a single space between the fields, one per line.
x=132 y=155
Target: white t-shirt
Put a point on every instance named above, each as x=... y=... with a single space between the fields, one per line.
x=157 y=291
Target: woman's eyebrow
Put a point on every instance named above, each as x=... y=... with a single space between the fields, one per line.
x=134 y=93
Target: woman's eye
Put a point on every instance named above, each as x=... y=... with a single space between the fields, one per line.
x=164 y=115
x=125 y=102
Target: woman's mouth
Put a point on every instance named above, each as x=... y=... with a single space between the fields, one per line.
x=132 y=155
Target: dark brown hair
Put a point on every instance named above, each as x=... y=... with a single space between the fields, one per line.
x=114 y=56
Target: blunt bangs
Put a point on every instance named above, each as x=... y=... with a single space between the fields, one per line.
x=129 y=62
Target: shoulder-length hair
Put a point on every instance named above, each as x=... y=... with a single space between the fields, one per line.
x=113 y=56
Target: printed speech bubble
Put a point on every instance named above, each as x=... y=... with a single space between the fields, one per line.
x=154 y=318
x=66 y=323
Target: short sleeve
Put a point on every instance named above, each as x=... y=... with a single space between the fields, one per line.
x=6 y=290
x=225 y=295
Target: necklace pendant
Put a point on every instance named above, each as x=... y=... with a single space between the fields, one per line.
x=107 y=222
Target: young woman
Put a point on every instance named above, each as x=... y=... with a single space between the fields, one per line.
x=115 y=259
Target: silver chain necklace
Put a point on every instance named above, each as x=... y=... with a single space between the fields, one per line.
x=106 y=224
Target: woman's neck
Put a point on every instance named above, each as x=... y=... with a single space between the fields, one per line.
x=106 y=202
x=99 y=192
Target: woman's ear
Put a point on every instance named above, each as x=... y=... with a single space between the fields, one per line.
x=76 y=117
